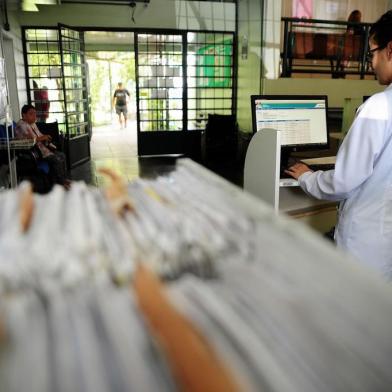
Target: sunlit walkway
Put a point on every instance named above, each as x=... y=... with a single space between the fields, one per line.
x=115 y=148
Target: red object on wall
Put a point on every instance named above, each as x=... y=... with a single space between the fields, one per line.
x=42 y=104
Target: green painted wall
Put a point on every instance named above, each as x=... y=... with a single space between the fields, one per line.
x=249 y=67
x=336 y=89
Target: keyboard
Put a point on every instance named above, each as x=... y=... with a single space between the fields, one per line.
x=284 y=175
x=323 y=163
x=324 y=166
x=286 y=182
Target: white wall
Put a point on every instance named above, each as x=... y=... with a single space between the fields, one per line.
x=15 y=67
x=161 y=14
x=8 y=52
x=200 y=15
x=336 y=89
x=271 y=41
x=340 y=9
x=263 y=61
x=249 y=67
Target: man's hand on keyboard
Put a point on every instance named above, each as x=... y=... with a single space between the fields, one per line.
x=297 y=170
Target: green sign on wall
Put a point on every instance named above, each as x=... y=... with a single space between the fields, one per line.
x=214 y=65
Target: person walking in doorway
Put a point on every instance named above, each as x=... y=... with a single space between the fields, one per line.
x=120 y=102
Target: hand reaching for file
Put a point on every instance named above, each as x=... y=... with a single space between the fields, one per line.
x=297 y=170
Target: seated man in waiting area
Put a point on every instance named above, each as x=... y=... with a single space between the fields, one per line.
x=26 y=128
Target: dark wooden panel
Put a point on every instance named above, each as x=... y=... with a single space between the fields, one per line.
x=78 y=150
x=169 y=142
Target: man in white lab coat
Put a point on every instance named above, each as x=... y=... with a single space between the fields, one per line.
x=362 y=179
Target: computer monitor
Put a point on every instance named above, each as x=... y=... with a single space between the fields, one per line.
x=301 y=118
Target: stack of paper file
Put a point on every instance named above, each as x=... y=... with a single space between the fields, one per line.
x=282 y=309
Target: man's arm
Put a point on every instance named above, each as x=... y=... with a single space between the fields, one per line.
x=44 y=138
x=297 y=170
x=21 y=131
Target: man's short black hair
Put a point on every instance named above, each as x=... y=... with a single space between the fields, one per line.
x=26 y=108
x=381 y=31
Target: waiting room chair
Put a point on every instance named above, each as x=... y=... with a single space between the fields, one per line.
x=52 y=129
x=219 y=141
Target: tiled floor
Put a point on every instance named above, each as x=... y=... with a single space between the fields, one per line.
x=116 y=148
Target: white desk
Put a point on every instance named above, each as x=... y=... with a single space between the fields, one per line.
x=262 y=179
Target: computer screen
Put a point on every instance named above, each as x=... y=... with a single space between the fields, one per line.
x=301 y=118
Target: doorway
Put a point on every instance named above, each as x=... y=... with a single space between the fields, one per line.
x=55 y=66
x=181 y=77
x=110 y=59
x=106 y=70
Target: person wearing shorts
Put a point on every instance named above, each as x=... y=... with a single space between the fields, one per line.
x=120 y=101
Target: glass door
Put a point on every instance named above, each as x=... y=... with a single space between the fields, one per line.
x=161 y=93
x=210 y=76
x=181 y=78
x=57 y=85
x=160 y=82
x=76 y=101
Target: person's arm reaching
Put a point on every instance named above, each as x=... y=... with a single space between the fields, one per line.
x=297 y=170
x=356 y=157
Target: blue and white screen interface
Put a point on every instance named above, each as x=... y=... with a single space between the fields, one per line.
x=300 y=121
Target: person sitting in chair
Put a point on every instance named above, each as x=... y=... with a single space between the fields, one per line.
x=26 y=128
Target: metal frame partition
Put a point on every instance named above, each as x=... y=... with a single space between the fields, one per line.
x=182 y=76
x=177 y=89
x=325 y=47
x=54 y=63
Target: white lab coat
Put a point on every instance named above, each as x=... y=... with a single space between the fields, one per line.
x=362 y=182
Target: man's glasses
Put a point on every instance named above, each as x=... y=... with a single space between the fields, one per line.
x=370 y=53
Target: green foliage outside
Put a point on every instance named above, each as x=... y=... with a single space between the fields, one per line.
x=106 y=69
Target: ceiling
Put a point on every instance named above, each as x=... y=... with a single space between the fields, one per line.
x=31 y=5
